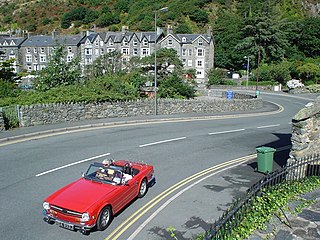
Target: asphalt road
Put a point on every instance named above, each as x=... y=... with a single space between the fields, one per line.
x=33 y=168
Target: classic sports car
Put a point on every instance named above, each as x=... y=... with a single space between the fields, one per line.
x=92 y=200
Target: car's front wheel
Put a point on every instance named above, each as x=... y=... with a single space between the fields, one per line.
x=143 y=188
x=104 y=219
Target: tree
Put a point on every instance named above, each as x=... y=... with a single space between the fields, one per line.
x=175 y=87
x=58 y=72
x=7 y=78
x=309 y=40
x=107 y=64
x=309 y=72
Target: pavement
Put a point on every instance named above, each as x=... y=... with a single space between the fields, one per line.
x=233 y=182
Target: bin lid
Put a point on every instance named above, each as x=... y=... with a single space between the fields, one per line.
x=265 y=149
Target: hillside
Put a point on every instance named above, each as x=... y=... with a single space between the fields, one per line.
x=73 y=16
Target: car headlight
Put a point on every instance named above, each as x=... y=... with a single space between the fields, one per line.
x=46 y=205
x=85 y=217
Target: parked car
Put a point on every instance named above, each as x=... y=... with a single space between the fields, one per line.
x=92 y=201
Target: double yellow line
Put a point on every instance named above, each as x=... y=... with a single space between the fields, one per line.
x=143 y=210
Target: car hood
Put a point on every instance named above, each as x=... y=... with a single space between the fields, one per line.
x=80 y=195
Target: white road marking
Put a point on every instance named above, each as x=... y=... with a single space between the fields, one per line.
x=269 y=126
x=164 y=141
x=154 y=214
x=71 y=164
x=229 y=131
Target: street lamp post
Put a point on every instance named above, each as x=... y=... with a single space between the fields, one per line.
x=164 y=9
x=248 y=62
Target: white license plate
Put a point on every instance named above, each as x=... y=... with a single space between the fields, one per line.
x=65 y=225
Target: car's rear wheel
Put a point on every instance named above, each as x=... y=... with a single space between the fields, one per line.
x=104 y=219
x=143 y=188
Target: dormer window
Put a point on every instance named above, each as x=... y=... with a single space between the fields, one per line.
x=145 y=42
x=135 y=42
x=125 y=42
x=111 y=43
x=184 y=39
x=200 y=42
x=170 y=42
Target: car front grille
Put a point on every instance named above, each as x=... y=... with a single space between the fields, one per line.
x=66 y=211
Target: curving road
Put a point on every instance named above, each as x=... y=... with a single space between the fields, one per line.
x=33 y=168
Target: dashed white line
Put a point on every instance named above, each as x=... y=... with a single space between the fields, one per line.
x=71 y=164
x=269 y=126
x=229 y=131
x=164 y=141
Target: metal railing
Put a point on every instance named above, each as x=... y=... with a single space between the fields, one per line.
x=231 y=218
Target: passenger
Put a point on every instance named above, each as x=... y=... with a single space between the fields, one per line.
x=107 y=162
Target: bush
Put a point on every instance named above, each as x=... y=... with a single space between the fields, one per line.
x=10 y=117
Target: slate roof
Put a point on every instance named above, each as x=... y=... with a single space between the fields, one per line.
x=192 y=37
x=48 y=41
x=9 y=40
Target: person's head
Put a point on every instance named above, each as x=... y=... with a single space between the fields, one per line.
x=106 y=162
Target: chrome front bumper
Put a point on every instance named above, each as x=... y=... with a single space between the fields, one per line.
x=84 y=229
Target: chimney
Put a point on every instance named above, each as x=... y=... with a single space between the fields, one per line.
x=54 y=34
x=124 y=29
x=169 y=29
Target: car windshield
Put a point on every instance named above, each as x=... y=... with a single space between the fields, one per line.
x=110 y=175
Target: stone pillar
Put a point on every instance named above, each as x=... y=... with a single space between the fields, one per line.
x=305 y=134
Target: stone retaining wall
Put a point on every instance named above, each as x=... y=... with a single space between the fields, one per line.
x=54 y=113
x=2 y=128
x=305 y=135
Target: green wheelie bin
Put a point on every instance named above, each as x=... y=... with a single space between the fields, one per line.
x=265 y=159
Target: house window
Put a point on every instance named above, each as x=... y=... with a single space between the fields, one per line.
x=88 y=51
x=200 y=52
x=145 y=52
x=135 y=42
x=125 y=42
x=42 y=50
x=199 y=63
x=96 y=43
x=111 y=43
x=101 y=51
x=35 y=50
x=28 y=58
x=125 y=51
x=69 y=49
x=42 y=67
x=135 y=51
x=189 y=63
x=97 y=51
x=145 y=42
x=190 y=52
x=42 y=58
x=28 y=50
x=200 y=42
x=109 y=50
x=184 y=62
x=35 y=59
x=184 y=52
x=101 y=43
x=69 y=58
x=29 y=68
x=170 y=42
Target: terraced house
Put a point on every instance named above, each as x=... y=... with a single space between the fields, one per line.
x=196 y=51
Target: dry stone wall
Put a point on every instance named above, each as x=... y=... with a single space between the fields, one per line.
x=56 y=113
x=306 y=131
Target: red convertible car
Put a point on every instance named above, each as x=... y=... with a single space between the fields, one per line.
x=92 y=201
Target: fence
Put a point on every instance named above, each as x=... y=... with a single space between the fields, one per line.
x=231 y=218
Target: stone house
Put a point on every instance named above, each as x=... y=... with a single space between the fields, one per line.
x=36 y=50
x=10 y=46
x=196 y=51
